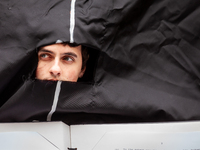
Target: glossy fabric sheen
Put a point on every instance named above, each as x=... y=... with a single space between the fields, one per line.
x=147 y=67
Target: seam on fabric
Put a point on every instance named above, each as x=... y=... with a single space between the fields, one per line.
x=55 y=101
x=72 y=21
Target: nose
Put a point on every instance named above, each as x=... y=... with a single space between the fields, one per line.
x=55 y=69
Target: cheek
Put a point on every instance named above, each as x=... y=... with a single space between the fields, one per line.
x=72 y=75
x=40 y=71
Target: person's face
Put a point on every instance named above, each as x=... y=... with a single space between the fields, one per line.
x=59 y=62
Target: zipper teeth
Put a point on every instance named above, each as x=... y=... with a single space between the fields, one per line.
x=72 y=21
x=55 y=101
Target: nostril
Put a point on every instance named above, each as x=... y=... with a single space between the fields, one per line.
x=55 y=73
x=55 y=70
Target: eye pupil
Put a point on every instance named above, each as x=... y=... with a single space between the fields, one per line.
x=43 y=55
x=68 y=59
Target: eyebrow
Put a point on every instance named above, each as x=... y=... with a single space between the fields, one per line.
x=44 y=50
x=68 y=53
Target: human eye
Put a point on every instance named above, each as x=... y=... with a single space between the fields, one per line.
x=68 y=59
x=44 y=56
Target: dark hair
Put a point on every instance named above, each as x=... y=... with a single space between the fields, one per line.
x=85 y=56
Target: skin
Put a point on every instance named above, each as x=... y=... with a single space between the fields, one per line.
x=60 y=62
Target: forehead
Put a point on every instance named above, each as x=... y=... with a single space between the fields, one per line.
x=62 y=48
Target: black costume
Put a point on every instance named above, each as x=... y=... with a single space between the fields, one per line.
x=144 y=60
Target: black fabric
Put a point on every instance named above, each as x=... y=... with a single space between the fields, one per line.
x=31 y=102
x=146 y=65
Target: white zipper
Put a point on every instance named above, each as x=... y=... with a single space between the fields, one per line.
x=72 y=21
x=55 y=101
